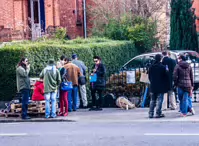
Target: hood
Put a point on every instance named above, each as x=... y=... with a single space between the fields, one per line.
x=183 y=64
x=50 y=68
x=38 y=83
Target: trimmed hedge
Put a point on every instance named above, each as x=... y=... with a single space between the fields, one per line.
x=114 y=54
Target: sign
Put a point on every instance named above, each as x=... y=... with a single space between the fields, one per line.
x=130 y=77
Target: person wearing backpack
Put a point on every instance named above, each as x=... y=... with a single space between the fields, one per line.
x=52 y=80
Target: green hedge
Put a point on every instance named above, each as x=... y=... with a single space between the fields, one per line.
x=114 y=54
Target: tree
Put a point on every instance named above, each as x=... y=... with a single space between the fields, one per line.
x=116 y=19
x=183 y=35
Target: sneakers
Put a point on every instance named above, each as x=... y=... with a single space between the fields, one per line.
x=183 y=115
x=160 y=116
x=192 y=111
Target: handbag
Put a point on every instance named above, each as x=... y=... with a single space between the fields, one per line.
x=82 y=80
x=93 y=78
x=66 y=86
x=144 y=78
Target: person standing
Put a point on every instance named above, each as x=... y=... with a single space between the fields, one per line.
x=63 y=95
x=73 y=72
x=52 y=80
x=99 y=85
x=82 y=88
x=170 y=63
x=158 y=75
x=60 y=63
x=183 y=79
x=23 y=84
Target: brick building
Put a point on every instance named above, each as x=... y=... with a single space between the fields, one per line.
x=29 y=19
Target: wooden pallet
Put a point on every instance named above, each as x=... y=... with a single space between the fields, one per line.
x=6 y=115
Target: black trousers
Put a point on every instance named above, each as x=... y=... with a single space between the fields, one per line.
x=98 y=102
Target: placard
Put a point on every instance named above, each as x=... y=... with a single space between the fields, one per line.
x=130 y=77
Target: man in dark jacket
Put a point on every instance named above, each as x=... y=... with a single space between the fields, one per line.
x=158 y=75
x=183 y=79
x=170 y=63
x=99 y=85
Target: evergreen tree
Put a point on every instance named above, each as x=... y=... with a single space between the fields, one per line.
x=183 y=35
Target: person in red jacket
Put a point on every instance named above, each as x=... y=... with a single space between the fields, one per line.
x=38 y=93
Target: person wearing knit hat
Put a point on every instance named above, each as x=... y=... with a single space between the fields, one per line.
x=52 y=79
x=82 y=87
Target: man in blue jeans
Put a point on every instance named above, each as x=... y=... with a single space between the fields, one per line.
x=73 y=73
x=158 y=75
x=52 y=79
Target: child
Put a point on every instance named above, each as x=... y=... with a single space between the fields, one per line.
x=38 y=93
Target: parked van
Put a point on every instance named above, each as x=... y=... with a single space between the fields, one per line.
x=144 y=60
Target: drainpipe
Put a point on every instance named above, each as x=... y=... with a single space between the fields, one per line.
x=85 y=28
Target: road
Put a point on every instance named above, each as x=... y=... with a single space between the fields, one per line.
x=100 y=129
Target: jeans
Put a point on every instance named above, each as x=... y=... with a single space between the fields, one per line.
x=183 y=97
x=63 y=101
x=50 y=97
x=156 y=97
x=25 y=97
x=97 y=102
x=72 y=98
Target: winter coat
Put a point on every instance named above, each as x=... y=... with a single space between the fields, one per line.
x=171 y=63
x=81 y=65
x=158 y=76
x=101 y=82
x=38 y=93
x=73 y=73
x=51 y=78
x=23 y=80
x=183 y=76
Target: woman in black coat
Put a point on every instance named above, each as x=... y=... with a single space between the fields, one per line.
x=99 y=85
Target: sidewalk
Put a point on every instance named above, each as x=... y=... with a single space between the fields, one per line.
x=113 y=115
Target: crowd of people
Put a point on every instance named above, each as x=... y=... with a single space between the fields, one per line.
x=65 y=79
x=166 y=76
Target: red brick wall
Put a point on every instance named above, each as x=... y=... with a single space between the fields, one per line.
x=196 y=6
x=68 y=17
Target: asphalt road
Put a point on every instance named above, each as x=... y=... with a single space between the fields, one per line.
x=102 y=133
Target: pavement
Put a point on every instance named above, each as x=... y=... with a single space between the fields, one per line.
x=111 y=115
x=110 y=127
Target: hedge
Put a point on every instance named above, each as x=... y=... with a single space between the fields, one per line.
x=114 y=54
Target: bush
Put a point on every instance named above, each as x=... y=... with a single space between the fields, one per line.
x=60 y=33
x=113 y=53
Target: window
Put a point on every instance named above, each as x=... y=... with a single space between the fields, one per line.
x=135 y=63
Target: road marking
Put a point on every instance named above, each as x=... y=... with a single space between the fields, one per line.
x=13 y=134
x=171 y=134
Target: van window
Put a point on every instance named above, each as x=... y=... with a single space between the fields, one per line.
x=135 y=63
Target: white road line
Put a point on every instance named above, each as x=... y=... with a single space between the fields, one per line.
x=171 y=134
x=13 y=134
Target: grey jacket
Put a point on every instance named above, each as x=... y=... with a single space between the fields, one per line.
x=81 y=65
x=23 y=80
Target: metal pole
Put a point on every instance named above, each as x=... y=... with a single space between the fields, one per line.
x=85 y=23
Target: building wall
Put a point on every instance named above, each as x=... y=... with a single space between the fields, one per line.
x=71 y=17
x=196 y=6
